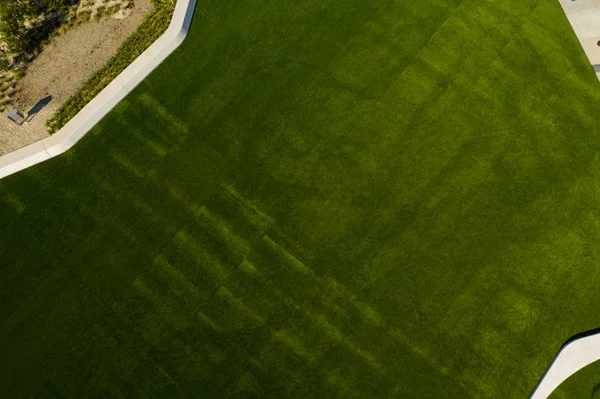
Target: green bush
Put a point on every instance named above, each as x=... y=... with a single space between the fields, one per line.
x=4 y=64
x=19 y=74
x=151 y=28
x=56 y=5
x=85 y=15
x=100 y=12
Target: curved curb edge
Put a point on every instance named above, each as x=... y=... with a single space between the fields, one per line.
x=107 y=99
x=578 y=352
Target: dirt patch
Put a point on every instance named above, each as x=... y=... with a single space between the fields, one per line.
x=64 y=66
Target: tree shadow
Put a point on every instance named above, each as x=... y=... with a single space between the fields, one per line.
x=37 y=107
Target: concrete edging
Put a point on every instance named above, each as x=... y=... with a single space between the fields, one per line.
x=579 y=351
x=584 y=17
x=107 y=99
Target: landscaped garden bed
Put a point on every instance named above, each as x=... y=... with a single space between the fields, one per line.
x=27 y=27
x=83 y=47
x=153 y=26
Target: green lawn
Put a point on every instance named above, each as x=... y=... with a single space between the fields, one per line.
x=584 y=384
x=316 y=199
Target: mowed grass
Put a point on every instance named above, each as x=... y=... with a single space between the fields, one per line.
x=317 y=199
x=583 y=384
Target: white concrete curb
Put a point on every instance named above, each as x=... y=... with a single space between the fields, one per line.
x=584 y=17
x=107 y=99
x=575 y=354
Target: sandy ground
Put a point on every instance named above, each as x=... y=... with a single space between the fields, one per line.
x=64 y=65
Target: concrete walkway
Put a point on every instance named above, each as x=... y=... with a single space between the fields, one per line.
x=584 y=16
x=578 y=352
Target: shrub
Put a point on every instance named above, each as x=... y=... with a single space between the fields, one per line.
x=19 y=74
x=85 y=15
x=4 y=64
x=56 y=5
